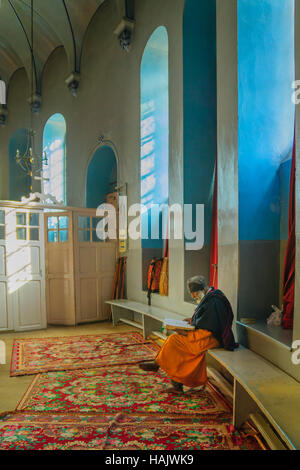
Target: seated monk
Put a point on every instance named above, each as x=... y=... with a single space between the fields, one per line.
x=182 y=356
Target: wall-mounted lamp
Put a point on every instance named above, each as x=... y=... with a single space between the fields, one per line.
x=124 y=31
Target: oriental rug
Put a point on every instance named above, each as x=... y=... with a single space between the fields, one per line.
x=35 y=355
x=20 y=431
x=124 y=388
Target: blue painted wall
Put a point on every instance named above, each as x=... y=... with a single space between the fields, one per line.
x=200 y=104
x=101 y=177
x=266 y=114
x=19 y=182
x=266 y=126
x=200 y=119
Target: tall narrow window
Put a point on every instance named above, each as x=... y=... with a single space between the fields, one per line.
x=154 y=139
x=54 y=145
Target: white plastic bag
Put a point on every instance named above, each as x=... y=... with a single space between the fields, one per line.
x=276 y=317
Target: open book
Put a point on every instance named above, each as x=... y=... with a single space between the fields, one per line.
x=171 y=324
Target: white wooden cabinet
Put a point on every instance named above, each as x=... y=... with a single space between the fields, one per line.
x=22 y=270
x=53 y=268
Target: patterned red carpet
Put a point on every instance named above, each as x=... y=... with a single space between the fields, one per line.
x=77 y=403
x=102 y=432
x=122 y=389
x=35 y=355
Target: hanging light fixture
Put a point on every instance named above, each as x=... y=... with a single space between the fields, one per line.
x=29 y=162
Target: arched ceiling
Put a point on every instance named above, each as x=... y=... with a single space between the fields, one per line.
x=56 y=23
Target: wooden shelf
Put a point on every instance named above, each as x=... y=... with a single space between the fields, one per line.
x=132 y=323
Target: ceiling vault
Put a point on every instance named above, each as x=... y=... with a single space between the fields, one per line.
x=56 y=23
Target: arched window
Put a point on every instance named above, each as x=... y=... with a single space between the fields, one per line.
x=154 y=135
x=54 y=145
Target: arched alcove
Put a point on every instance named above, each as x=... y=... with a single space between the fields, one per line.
x=54 y=147
x=266 y=67
x=199 y=121
x=154 y=141
x=19 y=181
x=101 y=176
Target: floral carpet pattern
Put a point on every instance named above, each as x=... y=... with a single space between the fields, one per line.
x=125 y=389
x=20 y=431
x=36 y=355
x=90 y=394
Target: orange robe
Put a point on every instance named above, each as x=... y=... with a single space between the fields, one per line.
x=183 y=357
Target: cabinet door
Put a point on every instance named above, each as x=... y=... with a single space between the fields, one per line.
x=25 y=268
x=6 y=318
x=94 y=267
x=59 y=269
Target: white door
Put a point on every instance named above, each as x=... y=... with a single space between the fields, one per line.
x=6 y=319
x=25 y=268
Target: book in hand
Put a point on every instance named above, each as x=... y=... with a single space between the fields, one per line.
x=171 y=324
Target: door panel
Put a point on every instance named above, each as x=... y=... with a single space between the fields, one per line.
x=29 y=305
x=94 y=267
x=60 y=293
x=2 y=260
x=89 y=299
x=62 y=311
x=88 y=260
x=6 y=312
x=25 y=268
x=3 y=306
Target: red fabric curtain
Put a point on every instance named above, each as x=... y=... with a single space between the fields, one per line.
x=213 y=278
x=289 y=260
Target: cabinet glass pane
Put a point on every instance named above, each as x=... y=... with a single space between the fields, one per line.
x=95 y=222
x=84 y=222
x=2 y=217
x=34 y=220
x=52 y=222
x=34 y=234
x=53 y=237
x=63 y=222
x=63 y=236
x=2 y=233
x=95 y=238
x=21 y=218
x=21 y=233
x=84 y=236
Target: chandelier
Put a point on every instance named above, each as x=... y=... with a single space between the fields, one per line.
x=29 y=162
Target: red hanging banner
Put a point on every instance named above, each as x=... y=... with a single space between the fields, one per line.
x=289 y=260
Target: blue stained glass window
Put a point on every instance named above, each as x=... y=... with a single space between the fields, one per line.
x=54 y=146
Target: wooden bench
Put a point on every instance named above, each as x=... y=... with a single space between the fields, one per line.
x=262 y=389
x=147 y=318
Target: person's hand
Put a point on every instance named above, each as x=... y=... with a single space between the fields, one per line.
x=188 y=320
